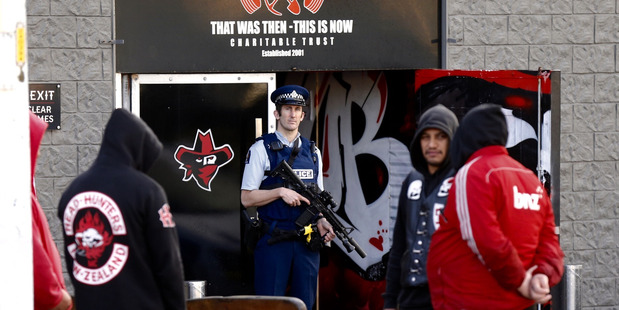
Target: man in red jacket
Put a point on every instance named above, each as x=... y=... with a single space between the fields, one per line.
x=50 y=291
x=496 y=247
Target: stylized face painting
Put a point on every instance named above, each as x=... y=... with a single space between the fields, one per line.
x=203 y=160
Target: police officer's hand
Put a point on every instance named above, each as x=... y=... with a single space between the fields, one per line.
x=325 y=229
x=291 y=197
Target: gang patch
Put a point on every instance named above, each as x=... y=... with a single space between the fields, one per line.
x=93 y=219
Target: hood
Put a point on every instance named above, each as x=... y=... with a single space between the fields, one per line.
x=37 y=130
x=128 y=140
x=482 y=126
x=438 y=117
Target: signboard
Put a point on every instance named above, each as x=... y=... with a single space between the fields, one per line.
x=45 y=103
x=163 y=36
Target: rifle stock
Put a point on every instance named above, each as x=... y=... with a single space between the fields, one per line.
x=320 y=202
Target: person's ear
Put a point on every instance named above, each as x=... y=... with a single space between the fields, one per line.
x=276 y=114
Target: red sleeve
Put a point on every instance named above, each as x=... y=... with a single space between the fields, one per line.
x=549 y=256
x=47 y=286
x=477 y=204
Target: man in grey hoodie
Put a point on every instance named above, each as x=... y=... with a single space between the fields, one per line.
x=422 y=198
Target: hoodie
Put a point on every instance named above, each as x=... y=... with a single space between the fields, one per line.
x=498 y=222
x=438 y=117
x=488 y=123
x=420 y=199
x=121 y=244
x=48 y=278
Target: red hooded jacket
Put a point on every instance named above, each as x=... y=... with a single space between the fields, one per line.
x=498 y=222
x=48 y=279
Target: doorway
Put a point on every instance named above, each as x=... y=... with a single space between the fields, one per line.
x=206 y=123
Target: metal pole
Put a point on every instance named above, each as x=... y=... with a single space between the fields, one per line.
x=195 y=289
x=572 y=279
x=539 y=125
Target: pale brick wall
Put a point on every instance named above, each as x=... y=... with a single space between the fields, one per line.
x=63 y=47
x=578 y=37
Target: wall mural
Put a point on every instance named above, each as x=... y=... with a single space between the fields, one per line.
x=525 y=98
x=360 y=121
x=340 y=100
x=363 y=123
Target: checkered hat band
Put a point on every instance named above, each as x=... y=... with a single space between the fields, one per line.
x=290 y=96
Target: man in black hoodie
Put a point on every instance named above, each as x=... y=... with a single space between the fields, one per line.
x=121 y=244
x=423 y=196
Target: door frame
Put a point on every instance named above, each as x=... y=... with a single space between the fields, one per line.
x=128 y=95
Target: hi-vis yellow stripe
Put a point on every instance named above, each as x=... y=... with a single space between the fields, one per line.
x=20 y=37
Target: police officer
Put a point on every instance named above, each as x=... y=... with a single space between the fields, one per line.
x=289 y=262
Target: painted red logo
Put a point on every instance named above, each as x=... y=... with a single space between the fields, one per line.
x=293 y=7
x=202 y=161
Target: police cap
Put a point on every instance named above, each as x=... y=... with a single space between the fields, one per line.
x=290 y=94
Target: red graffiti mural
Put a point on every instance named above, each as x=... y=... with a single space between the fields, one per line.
x=364 y=121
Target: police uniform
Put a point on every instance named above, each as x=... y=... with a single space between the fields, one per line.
x=288 y=263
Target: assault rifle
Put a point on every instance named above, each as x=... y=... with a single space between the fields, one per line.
x=321 y=202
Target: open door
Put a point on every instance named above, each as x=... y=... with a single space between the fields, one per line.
x=206 y=124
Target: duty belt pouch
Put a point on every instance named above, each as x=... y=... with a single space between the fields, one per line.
x=253 y=230
x=316 y=243
x=312 y=237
